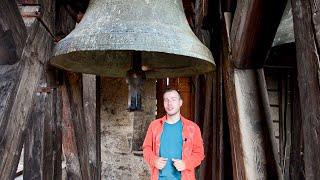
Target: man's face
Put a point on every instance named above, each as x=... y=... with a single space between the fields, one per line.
x=172 y=102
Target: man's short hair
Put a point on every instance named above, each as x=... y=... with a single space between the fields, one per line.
x=170 y=89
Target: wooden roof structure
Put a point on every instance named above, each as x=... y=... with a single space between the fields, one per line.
x=38 y=103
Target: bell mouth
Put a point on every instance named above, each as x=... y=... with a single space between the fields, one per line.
x=116 y=63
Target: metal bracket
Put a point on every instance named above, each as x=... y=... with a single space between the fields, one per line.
x=35 y=14
x=45 y=89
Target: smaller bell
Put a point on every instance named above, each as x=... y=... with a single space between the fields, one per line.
x=285 y=32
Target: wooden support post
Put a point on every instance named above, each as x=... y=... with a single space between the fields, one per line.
x=74 y=87
x=254 y=115
x=253 y=29
x=89 y=107
x=69 y=139
x=90 y=99
x=207 y=130
x=218 y=133
x=40 y=154
x=20 y=82
x=197 y=105
x=247 y=106
x=296 y=163
x=233 y=119
x=57 y=139
x=306 y=29
x=34 y=140
x=98 y=126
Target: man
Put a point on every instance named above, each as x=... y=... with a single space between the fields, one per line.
x=173 y=145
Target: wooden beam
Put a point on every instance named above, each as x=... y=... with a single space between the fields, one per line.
x=306 y=30
x=40 y=155
x=12 y=23
x=57 y=141
x=74 y=87
x=90 y=99
x=20 y=82
x=34 y=139
x=253 y=29
x=247 y=106
x=207 y=130
x=98 y=126
x=69 y=138
x=296 y=163
x=199 y=99
x=233 y=119
x=218 y=136
x=197 y=105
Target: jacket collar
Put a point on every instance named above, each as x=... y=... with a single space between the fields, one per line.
x=164 y=118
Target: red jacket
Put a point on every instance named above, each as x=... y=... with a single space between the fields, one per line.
x=192 y=148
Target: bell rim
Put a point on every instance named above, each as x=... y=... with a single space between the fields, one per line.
x=198 y=66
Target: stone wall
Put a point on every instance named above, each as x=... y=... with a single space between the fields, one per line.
x=117 y=127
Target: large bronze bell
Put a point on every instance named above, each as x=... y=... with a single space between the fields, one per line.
x=134 y=39
x=110 y=32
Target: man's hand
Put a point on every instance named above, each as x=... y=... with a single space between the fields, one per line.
x=160 y=162
x=179 y=164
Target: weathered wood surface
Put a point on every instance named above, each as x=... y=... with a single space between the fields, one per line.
x=219 y=129
x=9 y=74
x=79 y=115
x=248 y=116
x=233 y=119
x=90 y=99
x=98 y=126
x=253 y=106
x=296 y=168
x=8 y=52
x=253 y=29
x=34 y=139
x=18 y=87
x=207 y=130
x=57 y=139
x=42 y=154
x=306 y=29
x=42 y=157
x=199 y=99
x=64 y=22
x=69 y=139
x=12 y=23
x=75 y=94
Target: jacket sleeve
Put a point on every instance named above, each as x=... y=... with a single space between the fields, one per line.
x=148 y=154
x=197 y=154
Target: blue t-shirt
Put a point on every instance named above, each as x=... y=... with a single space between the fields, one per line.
x=171 y=147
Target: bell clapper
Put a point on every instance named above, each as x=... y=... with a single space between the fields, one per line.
x=135 y=78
